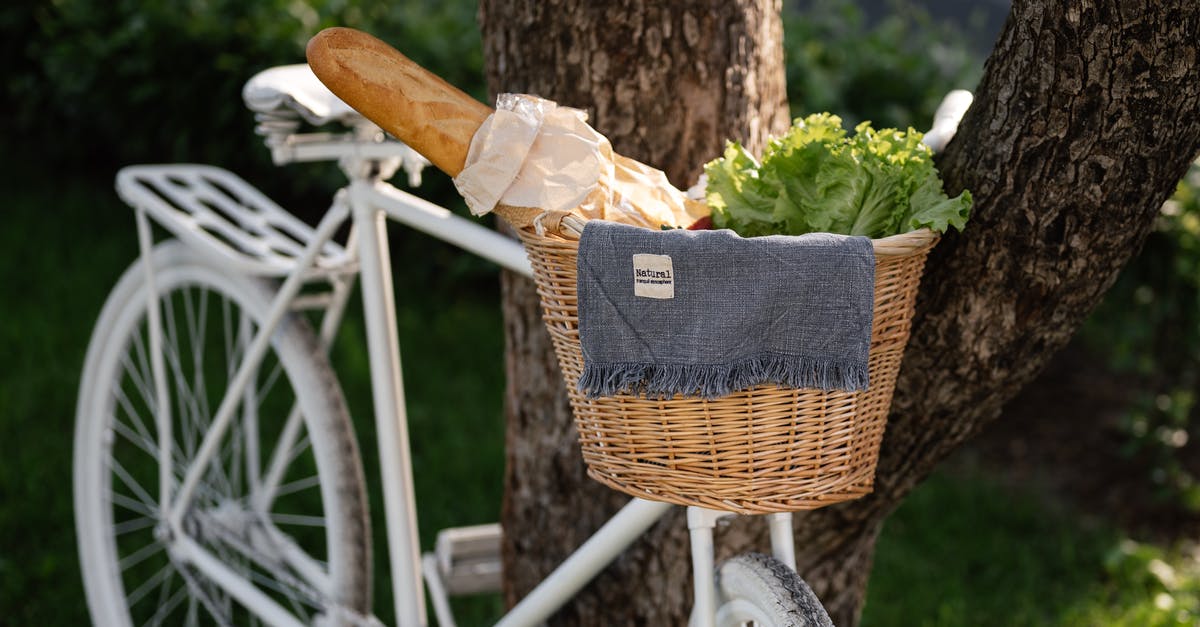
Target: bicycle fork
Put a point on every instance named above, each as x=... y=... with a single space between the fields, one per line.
x=701 y=522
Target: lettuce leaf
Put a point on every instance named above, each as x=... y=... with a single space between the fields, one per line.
x=933 y=209
x=815 y=178
x=739 y=199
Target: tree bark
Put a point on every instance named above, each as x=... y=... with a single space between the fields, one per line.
x=1087 y=115
x=668 y=83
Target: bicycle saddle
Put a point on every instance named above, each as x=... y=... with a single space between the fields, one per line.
x=295 y=88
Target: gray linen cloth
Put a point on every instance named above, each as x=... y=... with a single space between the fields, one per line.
x=705 y=313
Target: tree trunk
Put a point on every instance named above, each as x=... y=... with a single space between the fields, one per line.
x=668 y=84
x=1087 y=115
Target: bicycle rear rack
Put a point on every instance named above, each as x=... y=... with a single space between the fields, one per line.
x=219 y=213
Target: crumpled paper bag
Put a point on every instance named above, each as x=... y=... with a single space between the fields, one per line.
x=533 y=153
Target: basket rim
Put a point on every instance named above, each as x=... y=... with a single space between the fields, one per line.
x=898 y=245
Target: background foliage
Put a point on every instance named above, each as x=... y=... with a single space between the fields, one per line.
x=91 y=85
x=130 y=80
x=1149 y=328
x=893 y=71
x=99 y=84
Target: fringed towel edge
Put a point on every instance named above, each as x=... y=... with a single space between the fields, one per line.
x=712 y=381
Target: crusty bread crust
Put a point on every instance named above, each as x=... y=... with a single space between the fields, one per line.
x=417 y=107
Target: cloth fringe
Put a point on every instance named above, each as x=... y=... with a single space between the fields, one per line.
x=712 y=381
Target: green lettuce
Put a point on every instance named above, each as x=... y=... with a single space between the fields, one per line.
x=817 y=179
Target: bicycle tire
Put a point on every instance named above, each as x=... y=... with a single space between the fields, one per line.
x=119 y=519
x=759 y=590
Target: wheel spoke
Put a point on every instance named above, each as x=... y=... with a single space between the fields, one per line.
x=298 y=485
x=269 y=383
x=138 y=375
x=144 y=504
x=193 y=423
x=166 y=607
x=292 y=594
x=133 y=524
x=196 y=318
x=193 y=618
x=143 y=440
x=227 y=325
x=188 y=410
x=251 y=432
x=297 y=519
x=279 y=464
x=245 y=336
x=205 y=593
x=281 y=458
x=134 y=505
x=139 y=436
x=132 y=484
x=140 y=555
x=199 y=382
x=195 y=428
x=299 y=449
x=233 y=453
x=150 y=584
x=183 y=397
x=164 y=597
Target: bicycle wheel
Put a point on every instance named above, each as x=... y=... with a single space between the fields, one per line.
x=756 y=589
x=278 y=518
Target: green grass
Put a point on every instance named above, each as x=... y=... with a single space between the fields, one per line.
x=1144 y=585
x=962 y=550
x=64 y=242
x=965 y=550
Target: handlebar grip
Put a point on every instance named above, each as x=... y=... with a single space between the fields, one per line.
x=416 y=106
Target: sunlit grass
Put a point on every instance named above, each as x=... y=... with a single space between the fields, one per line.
x=1144 y=586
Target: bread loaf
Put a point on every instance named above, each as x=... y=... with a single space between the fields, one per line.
x=417 y=107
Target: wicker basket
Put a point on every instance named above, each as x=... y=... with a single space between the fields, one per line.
x=766 y=449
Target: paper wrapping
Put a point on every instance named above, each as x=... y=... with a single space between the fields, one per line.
x=533 y=153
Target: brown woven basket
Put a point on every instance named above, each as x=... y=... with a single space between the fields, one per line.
x=766 y=449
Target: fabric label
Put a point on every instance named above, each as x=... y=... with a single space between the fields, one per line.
x=653 y=276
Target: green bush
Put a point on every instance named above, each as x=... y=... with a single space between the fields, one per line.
x=107 y=83
x=99 y=84
x=893 y=72
x=1145 y=586
x=1149 y=326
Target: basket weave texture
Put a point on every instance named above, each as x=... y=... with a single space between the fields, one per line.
x=764 y=449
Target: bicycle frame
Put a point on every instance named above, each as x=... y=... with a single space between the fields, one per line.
x=367 y=202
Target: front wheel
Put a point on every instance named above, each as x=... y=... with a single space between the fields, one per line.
x=276 y=531
x=755 y=589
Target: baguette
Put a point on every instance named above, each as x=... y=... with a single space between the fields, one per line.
x=416 y=106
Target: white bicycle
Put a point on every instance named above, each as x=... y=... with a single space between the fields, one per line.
x=217 y=476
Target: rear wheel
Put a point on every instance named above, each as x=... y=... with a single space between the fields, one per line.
x=277 y=528
x=755 y=589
